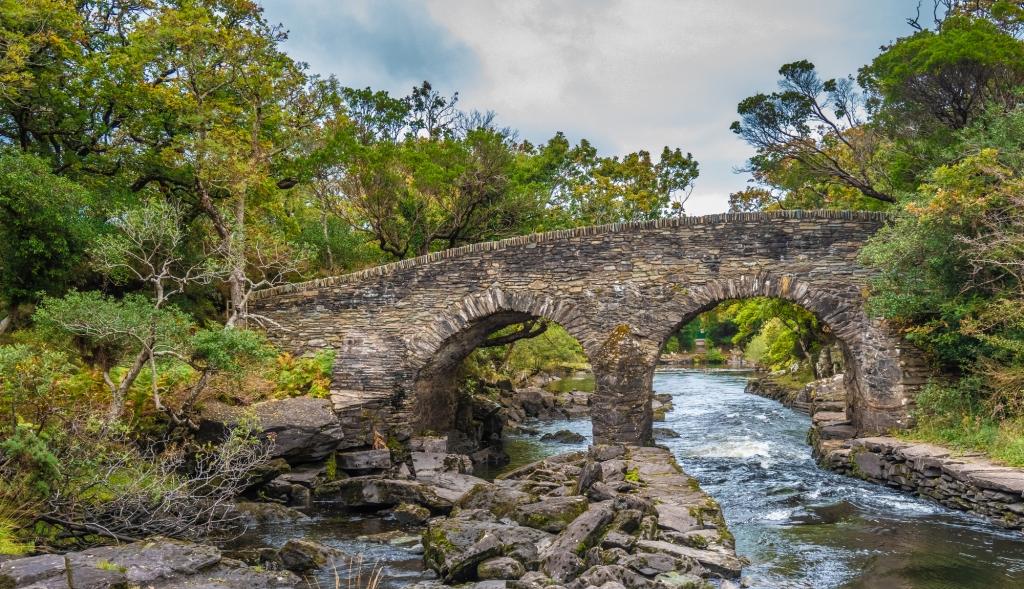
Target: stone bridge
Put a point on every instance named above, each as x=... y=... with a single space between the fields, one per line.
x=399 y=331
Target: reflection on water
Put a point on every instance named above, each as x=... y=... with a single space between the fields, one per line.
x=804 y=527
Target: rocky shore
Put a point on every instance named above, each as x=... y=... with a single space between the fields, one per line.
x=611 y=517
x=967 y=482
x=160 y=563
x=963 y=481
x=827 y=394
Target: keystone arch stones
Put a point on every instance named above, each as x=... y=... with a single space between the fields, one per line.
x=400 y=330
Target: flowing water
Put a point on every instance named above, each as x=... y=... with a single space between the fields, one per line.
x=800 y=526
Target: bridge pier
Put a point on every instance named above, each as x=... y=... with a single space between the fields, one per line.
x=621 y=404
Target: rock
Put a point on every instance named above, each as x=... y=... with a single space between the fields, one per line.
x=600 y=492
x=613 y=574
x=582 y=533
x=551 y=514
x=676 y=518
x=590 y=474
x=665 y=433
x=434 y=444
x=304 y=555
x=616 y=539
x=251 y=514
x=410 y=514
x=606 y=452
x=267 y=472
x=156 y=559
x=455 y=546
x=675 y=580
x=429 y=464
x=381 y=493
x=650 y=564
x=500 y=568
x=303 y=429
x=562 y=565
x=156 y=562
x=501 y=500
x=363 y=461
x=563 y=437
x=451 y=486
x=717 y=561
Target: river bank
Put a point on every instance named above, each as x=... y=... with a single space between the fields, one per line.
x=964 y=481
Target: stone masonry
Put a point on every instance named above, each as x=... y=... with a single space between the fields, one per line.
x=399 y=331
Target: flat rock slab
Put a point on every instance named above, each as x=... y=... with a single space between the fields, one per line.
x=302 y=429
x=161 y=563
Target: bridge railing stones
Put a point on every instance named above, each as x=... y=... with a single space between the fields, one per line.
x=399 y=330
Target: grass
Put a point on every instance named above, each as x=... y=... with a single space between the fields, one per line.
x=10 y=544
x=1001 y=441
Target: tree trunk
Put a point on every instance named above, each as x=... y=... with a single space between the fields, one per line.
x=121 y=391
x=5 y=323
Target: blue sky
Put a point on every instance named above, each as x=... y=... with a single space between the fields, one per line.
x=626 y=74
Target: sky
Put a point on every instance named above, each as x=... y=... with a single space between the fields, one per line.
x=625 y=74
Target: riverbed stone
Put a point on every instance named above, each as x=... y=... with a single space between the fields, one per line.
x=551 y=514
x=362 y=461
x=301 y=555
x=373 y=492
x=501 y=567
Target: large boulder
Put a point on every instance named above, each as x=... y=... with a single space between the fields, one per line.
x=378 y=493
x=302 y=429
x=304 y=555
x=454 y=547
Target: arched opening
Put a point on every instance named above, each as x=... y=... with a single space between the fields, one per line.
x=785 y=345
x=500 y=367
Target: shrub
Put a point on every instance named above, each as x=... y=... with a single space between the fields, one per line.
x=304 y=376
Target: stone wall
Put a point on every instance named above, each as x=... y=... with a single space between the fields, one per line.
x=400 y=330
x=965 y=482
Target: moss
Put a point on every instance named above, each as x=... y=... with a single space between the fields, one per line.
x=10 y=544
x=633 y=475
x=331 y=467
x=106 y=565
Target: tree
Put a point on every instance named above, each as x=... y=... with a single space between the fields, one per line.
x=936 y=81
x=816 y=124
x=44 y=233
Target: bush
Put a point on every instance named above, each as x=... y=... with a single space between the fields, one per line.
x=304 y=376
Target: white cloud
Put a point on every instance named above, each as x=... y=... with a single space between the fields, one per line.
x=628 y=74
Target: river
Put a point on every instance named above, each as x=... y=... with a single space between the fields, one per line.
x=800 y=526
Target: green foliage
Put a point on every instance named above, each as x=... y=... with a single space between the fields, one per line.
x=30 y=378
x=27 y=461
x=555 y=350
x=954 y=414
x=107 y=330
x=10 y=542
x=45 y=230
x=921 y=80
x=304 y=376
x=229 y=350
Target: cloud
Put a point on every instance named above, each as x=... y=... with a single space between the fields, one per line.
x=387 y=44
x=627 y=74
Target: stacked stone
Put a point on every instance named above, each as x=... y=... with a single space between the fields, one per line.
x=965 y=482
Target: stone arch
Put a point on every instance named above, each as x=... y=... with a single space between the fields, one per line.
x=438 y=349
x=879 y=391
